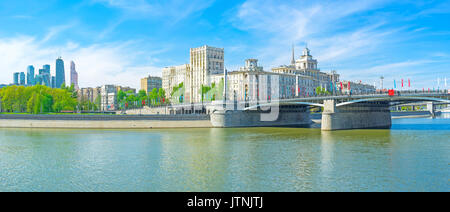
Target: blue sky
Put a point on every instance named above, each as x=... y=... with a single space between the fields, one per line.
x=121 y=41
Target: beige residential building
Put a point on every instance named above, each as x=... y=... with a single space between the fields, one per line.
x=89 y=94
x=151 y=82
x=308 y=76
x=251 y=83
x=204 y=62
x=125 y=89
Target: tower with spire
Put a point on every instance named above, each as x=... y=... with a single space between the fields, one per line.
x=293 y=55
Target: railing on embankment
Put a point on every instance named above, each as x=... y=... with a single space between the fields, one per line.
x=75 y=117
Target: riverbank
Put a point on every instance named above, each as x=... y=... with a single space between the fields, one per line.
x=104 y=121
x=76 y=121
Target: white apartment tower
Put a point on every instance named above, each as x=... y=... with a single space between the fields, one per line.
x=204 y=62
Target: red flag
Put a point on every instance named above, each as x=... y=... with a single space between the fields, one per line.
x=402 y=83
x=342 y=87
x=409 y=83
x=143 y=102
x=391 y=92
x=348 y=85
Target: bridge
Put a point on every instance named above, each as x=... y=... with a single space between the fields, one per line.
x=339 y=112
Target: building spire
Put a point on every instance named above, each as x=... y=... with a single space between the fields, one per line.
x=293 y=55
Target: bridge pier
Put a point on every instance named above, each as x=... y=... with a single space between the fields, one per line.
x=431 y=108
x=367 y=115
x=283 y=116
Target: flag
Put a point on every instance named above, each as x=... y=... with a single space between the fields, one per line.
x=348 y=85
x=409 y=83
x=342 y=87
x=402 y=83
x=395 y=85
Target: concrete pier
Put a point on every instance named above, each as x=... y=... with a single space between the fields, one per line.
x=368 y=115
x=431 y=109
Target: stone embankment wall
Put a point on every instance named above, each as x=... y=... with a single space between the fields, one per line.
x=147 y=111
x=104 y=121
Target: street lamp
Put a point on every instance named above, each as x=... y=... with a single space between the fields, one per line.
x=381 y=82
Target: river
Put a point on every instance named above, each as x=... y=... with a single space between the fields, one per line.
x=413 y=156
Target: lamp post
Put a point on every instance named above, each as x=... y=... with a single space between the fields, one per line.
x=381 y=82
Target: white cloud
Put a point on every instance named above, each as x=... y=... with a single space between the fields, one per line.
x=168 y=11
x=97 y=64
x=176 y=10
x=54 y=31
x=323 y=25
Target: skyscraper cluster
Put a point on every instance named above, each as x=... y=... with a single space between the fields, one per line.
x=44 y=77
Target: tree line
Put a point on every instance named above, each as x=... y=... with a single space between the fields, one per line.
x=128 y=99
x=38 y=99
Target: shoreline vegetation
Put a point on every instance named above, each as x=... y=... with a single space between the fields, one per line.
x=40 y=99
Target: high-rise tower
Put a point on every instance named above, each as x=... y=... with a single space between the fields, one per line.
x=22 y=78
x=73 y=76
x=16 y=78
x=293 y=55
x=30 y=75
x=60 y=74
x=204 y=62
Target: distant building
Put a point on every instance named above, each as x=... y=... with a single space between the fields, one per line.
x=251 y=83
x=38 y=79
x=108 y=95
x=46 y=69
x=53 y=82
x=16 y=78
x=307 y=76
x=150 y=82
x=175 y=75
x=44 y=76
x=60 y=74
x=22 y=78
x=125 y=89
x=89 y=94
x=73 y=76
x=30 y=76
x=349 y=87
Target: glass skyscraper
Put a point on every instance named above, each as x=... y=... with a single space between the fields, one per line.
x=60 y=75
x=22 y=78
x=16 y=78
x=53 y=82
x=30 y=75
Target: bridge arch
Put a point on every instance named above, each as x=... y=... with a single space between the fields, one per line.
x=284 y=103
x=395 y=99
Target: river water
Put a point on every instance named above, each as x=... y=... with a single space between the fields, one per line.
x=413 y=156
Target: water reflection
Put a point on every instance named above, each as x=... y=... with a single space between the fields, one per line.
x=327 y=155
x=247 y=159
